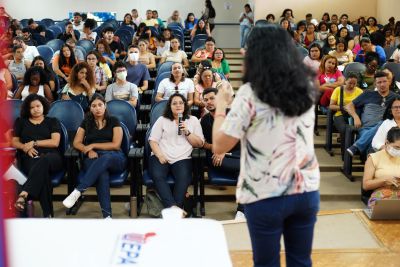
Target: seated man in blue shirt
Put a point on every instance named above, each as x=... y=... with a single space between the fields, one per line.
x=137 y=72
x=372 y=105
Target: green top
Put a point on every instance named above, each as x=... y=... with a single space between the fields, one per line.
x=224 y=68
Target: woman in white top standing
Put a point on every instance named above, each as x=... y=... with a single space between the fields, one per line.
x=175 y=54
x=177 y=83
x=34 y=82
x=273 y=117
x=246 y=22
x=171 y=145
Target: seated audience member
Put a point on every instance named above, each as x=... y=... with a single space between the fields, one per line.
x=396 y=55
x=29 y=51
x=77 y=22
x=78 y=53
x=81 y=85
x=88 y=33
x=190 y=21
x=175 y=18
x=368 y=76
x=328 y=78
x=204 y=53
x=201 y=27
x=69 y=33
x=391 y=118
x=344 y=19
x=137 y=73
x=393 y=84
x=177 y=83
x=148 y=36
x=162 y=46
x=114 y=43
x=288 y=15
x=135 y=17
x=34 y=83
x=149 y=21
x=362 y=32
x=167 y=34
x=206 y=80
x=50 y=79
x=105 y=51
x=313 y=60
x=27 y=35
x=344 y=33
x=63 y=63
x=309 y=35
x=325 y=18
x=285 y=24
x=390 y=40
x=381 y=170
x=37 y=138
x=175 y=54
x=146 y=57
x=343 y=55
x=330 y=44
x=121 y=88
x=297 y=34
x=204 y=65
x=270 y=18
x=18 y=65
x=138 y=33
x=367 y=46
x=159 y=21
x=99 y=139
x=373 y=105
x=372 y=25
x=100 y=77
x=171 y=145
x=128 y=21
x=219 y=63
x=347 y=92
x=333 y=29
x=323 y=30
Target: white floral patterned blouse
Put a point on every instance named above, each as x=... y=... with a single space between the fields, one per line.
x=277 y=156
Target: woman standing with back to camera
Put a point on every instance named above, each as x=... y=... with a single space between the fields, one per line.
x=279 y=180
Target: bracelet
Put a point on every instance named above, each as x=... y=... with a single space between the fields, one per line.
x=189 y=133
x=219 y=115
x=35 y=143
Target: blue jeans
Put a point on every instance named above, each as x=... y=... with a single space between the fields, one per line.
x=182 y=172
x=244 y=32
x=294 y=216
x=98 y=172
x=365 y=136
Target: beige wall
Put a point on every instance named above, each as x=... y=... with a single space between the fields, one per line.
x=387 y=9
x=354 y=8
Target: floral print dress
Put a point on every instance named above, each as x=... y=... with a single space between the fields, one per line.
x=277 y=152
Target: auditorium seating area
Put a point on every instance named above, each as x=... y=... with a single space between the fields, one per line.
x=341 y=176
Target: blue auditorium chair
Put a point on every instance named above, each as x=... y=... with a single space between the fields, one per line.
x=164 y=67
x=83 y=50
x=55 y=44
x=46 y=52
x=394 y=68
x=88 y=45
x=355 y=67
x=47 y=22
x=14 y=83
x=125 y=114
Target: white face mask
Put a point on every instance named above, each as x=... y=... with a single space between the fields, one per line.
x=122 y=75
x=134 y=57
x=393 y=151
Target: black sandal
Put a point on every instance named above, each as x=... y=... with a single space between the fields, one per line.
x=20 y=204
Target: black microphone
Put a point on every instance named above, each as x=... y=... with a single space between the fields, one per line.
x=180 y=116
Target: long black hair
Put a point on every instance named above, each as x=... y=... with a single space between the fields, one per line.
x=89 y=118
x=388 y=115
x=26 y=105
x=168 y=111
x=211 y=9
x=34 y=70
x=274 y=69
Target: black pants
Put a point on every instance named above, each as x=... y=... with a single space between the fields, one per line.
x=39 y=172
x=340 y=123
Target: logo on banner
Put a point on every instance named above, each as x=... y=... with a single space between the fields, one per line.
x=129 y=248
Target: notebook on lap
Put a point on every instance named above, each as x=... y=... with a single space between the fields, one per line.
x=387 y=209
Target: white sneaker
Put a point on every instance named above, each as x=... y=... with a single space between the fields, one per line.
x=71 y=199
x=240 y=216
x=108 y=218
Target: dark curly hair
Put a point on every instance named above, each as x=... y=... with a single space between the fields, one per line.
x=388 y=111
x=168 y=111
x=274 y=69
x=33 y=71
x=26 y=105
x=393 y=135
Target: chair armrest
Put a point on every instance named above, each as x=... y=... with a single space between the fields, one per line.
x=142 y=127
x=199 y=153
x=148 y=92
x=145 y=107
x=136 y=153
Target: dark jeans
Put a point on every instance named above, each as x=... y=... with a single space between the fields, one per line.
x=182 y=172
x=294 y=216
x=229 y=164
x=340 y=123
x=365 y=136
x=98 y=172
x=38 y=172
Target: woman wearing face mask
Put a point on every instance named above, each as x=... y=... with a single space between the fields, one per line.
x=391 y=118
x=177 y=83
x=81 y=85
x=175 y=54
x=34 y=83
x=382 y=169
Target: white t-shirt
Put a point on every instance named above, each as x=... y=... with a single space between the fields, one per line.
x=175 y=147
x=167 y=88
x=124 y=92
x=380 y=136
x=30 y=52
x=246 y=21
x=177 y=57
x=91 y=37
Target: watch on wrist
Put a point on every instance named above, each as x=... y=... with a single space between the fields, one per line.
x=187 y=133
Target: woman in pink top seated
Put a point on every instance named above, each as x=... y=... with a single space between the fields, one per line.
x=207 y=80
x=329 y=77
x=171 y=145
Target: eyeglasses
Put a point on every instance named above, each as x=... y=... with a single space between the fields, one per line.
x=396 y=107
x=218 y=53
